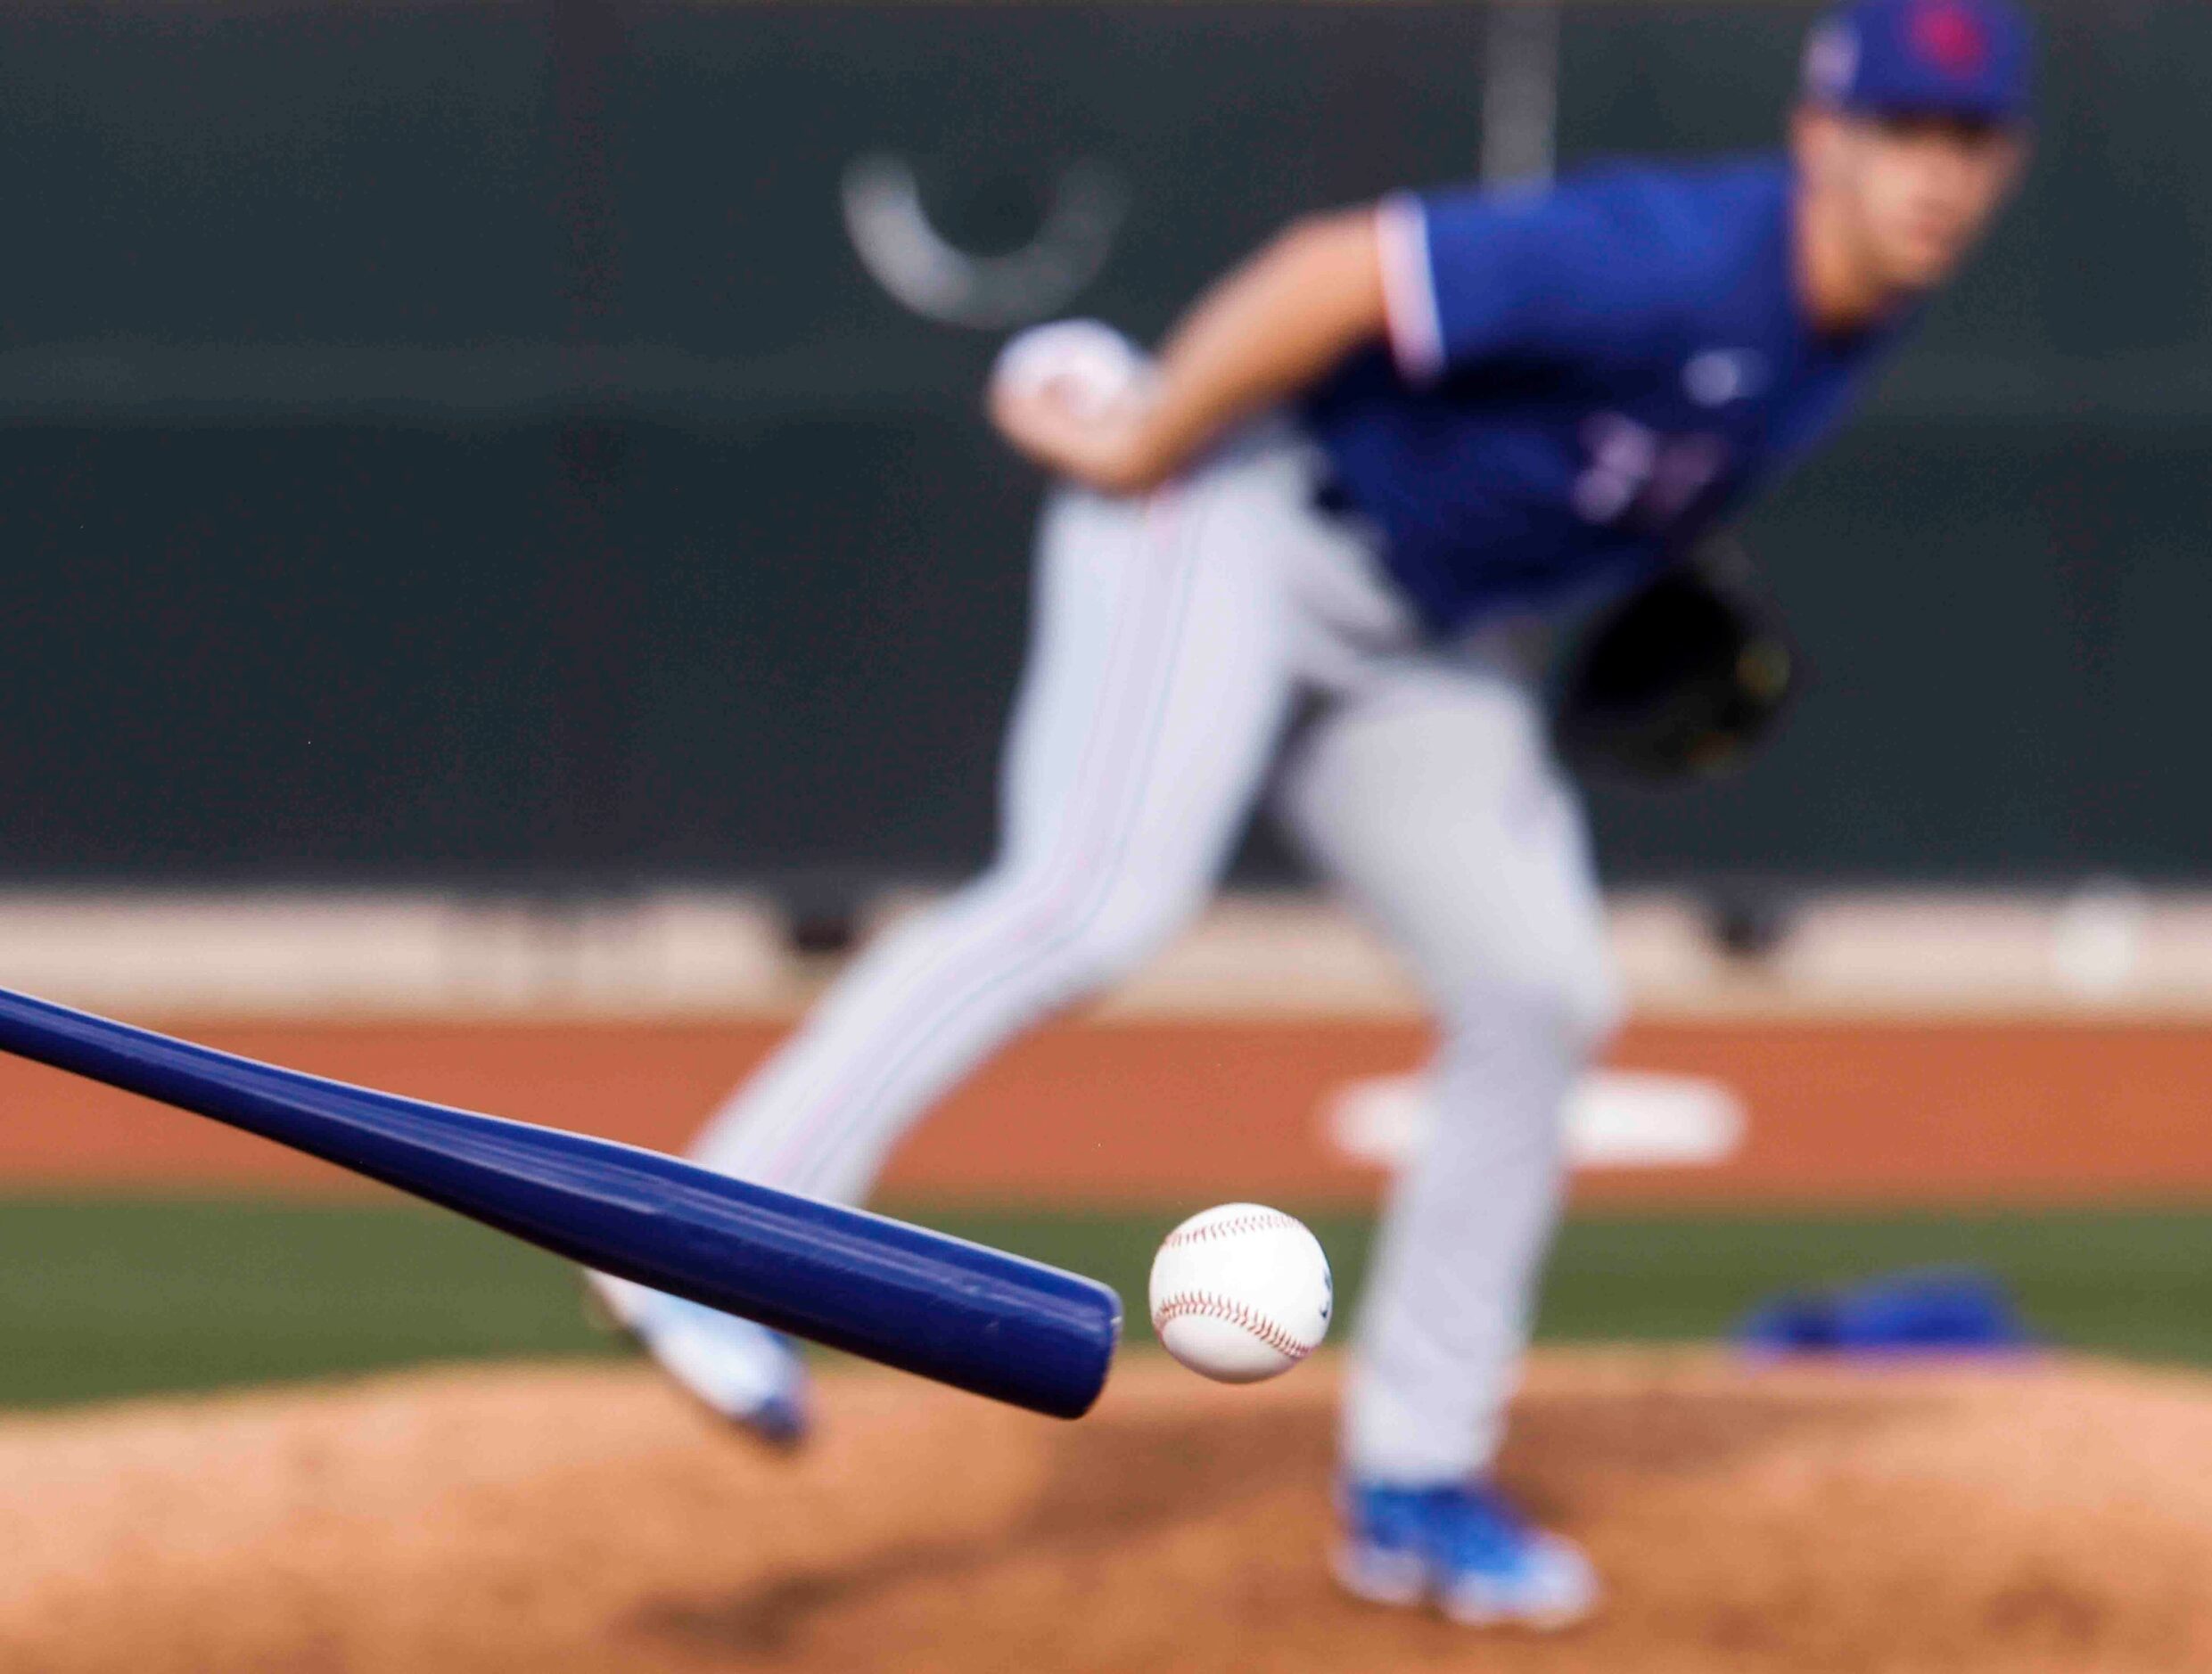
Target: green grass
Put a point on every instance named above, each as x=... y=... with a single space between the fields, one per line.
x=2126 y=1282
x=108 y=1296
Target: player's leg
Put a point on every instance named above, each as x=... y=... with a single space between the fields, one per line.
x=1154 y=695
x=1432 y=796
x=1148 y=712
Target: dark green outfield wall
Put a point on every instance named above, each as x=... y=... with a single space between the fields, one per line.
x=460 y=439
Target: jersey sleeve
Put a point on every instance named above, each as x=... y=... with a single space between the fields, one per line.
x=1472 y=275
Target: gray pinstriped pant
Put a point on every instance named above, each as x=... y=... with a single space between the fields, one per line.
x=1170 y=638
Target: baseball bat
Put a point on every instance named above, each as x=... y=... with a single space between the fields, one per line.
x=960 y=1313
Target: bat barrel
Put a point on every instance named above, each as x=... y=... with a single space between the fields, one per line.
x=960 y=1313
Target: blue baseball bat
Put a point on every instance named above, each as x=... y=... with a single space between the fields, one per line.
x=960 y=1313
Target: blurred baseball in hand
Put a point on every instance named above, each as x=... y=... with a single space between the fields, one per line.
x=1089 y=367
x=1241 y=1293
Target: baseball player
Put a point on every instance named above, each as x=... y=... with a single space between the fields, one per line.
x=1365 y=470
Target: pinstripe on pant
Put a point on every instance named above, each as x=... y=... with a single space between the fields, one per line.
x=1170 y=637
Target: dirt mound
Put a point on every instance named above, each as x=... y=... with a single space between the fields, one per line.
x=555 y=1519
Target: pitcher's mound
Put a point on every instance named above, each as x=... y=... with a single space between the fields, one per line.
x=2055 y=1519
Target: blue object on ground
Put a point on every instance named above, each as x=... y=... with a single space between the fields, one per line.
x=1947 y=1312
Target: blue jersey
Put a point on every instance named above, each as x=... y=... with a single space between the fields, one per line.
x=1579 y=381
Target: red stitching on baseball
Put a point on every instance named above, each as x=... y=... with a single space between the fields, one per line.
x=1265 y=1220
x=1206 y=1305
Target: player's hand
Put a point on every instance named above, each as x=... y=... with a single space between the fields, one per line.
x=1103 y=446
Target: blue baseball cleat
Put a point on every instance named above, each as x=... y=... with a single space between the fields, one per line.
x=743 y=1372
x=1465 y=1549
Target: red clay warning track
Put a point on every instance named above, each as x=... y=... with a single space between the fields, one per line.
x=1841 y=1112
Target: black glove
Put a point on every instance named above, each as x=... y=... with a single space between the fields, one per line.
x=1681 y=679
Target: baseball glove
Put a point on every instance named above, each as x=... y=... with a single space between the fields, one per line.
x=1683 y=678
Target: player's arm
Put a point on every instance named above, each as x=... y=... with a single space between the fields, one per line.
x=1268 y=330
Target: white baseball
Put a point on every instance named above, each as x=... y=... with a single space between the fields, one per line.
x=1090 y=367
x=1241 y=1293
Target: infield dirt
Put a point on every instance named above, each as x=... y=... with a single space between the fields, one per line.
x=2032 y=1521
x=1853 y=1111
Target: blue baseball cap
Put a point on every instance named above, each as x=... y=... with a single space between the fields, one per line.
x=1957 y=58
